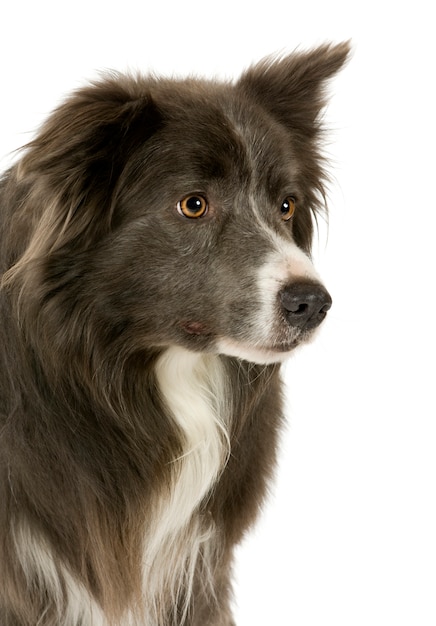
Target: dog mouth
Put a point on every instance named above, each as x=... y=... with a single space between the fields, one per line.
x=273 y=353
x=201 y=337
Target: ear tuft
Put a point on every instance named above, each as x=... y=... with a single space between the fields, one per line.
x=292 y=88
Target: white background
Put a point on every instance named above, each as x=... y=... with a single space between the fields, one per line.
x=349 y=534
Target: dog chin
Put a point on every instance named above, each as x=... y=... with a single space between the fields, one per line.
x=255 y=354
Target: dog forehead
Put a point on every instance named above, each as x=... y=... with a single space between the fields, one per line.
x=221 y=135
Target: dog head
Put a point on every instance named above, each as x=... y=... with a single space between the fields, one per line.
x=180 y=212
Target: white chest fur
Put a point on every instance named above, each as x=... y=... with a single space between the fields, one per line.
x=192 y=386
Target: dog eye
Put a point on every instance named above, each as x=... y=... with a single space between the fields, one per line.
x=193 y=206
x=288 y=208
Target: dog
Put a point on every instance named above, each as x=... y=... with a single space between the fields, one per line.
x=156 y=272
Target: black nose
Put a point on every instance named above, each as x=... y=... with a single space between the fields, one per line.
x=305 y=304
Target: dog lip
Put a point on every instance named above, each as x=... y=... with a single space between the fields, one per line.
x=195 y=328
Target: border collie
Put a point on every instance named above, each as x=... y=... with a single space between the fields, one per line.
x=155 y=262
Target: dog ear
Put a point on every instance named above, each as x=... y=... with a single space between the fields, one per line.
x=74 y=164
x=292 y=89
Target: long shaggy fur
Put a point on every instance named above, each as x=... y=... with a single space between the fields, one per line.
x=140 y=398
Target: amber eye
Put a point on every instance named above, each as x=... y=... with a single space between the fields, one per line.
x=193 y=206
x=288 y=208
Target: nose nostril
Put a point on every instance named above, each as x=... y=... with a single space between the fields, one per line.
x=300 y=309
